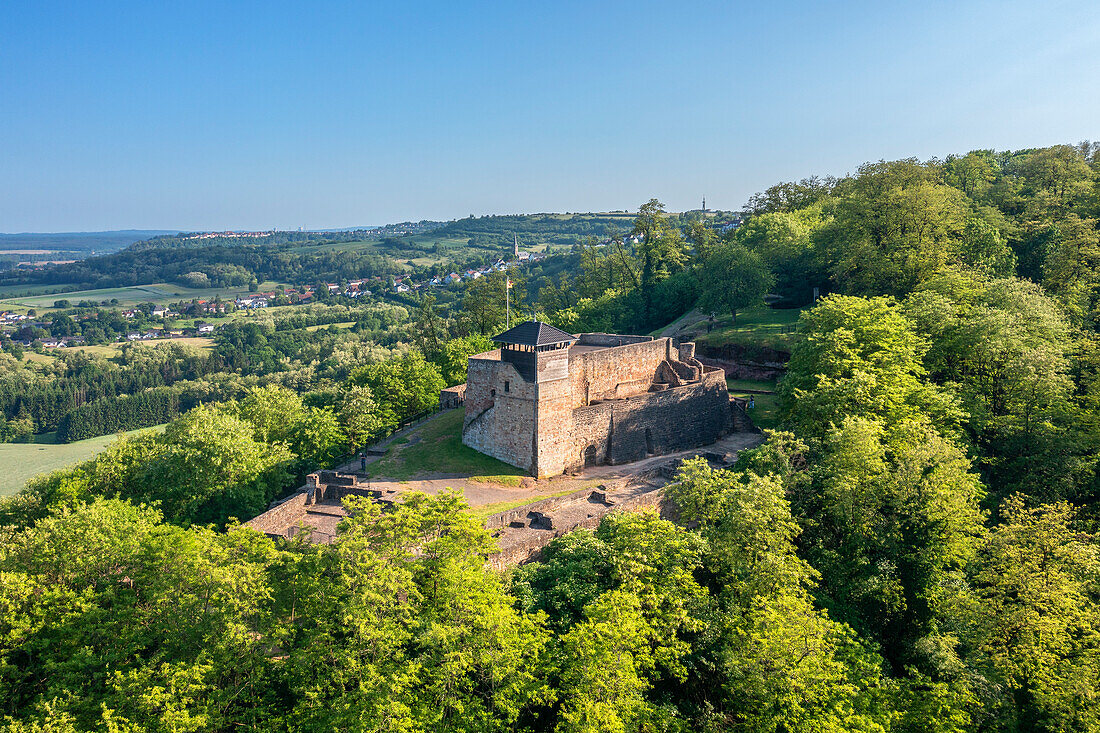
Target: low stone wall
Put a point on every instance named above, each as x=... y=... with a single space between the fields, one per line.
x=274 y=521
x=452 y=396
x=332 y=478
x=531 y=547
x=503 y=519
x=610 y=339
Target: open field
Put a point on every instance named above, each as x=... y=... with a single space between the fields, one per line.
x=22 y=290
x=343 y=326
x=112 y=350
x=24 y=461
x=160 y=293
x=104 y=350
x=736 y=386
x=437 y=449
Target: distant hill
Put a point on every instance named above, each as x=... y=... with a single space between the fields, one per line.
x=79 y=244
x=236 y=258
x=192 y=240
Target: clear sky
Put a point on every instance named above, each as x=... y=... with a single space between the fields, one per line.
x=211 y=115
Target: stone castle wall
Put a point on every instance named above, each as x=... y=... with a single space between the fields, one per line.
x=500 y=422
x=623 y=431
x=593 y=406
x=616 y=372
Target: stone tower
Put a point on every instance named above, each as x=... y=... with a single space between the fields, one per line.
x=547 y=401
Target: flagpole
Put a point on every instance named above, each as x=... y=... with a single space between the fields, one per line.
x=507 y=301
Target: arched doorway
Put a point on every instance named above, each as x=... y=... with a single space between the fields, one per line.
x=589 y=456
x=648 y=443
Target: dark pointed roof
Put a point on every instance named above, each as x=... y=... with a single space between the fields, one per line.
x=534 y=333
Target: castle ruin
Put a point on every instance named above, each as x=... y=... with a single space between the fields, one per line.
x=550 y=402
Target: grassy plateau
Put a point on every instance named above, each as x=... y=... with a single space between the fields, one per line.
x=24 y=461
x=437 y=449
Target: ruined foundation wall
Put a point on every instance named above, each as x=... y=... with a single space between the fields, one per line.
x=549 y=504
x=530 y=548
x=275 y=520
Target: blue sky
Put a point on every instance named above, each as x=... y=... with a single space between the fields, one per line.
x=212 y=115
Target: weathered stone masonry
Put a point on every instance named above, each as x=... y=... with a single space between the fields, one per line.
x=550 y=404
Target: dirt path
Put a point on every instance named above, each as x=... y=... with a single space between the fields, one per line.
x=688 y=319
x=479 y=493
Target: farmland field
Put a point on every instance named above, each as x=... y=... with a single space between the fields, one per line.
x=112 y=350
x=24 y=461
x=161 y=293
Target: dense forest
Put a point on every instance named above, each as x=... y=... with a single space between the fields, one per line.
x=914 y=550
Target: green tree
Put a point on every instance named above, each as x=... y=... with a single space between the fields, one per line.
x=484 y=301
x=428 y=327
x=892 y=520
x=455 y=353
x=768 y=660
x=702 y=237
x=785 y=241
x=604 y=677
x=359 y=416
x=1004 y=349
x=860 y=357
x=114 y=619
x=403 y=387
x=406 y=627
x=1035 y=625
x=661 y=251
x=734 y=278
x=1071 y=270
x=279 y=416
x=211 y=468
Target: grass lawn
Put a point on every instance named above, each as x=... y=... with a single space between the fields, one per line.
x=735 y=386
x=773 y=328
x=104 y=350
x=7 y=291
x=24 y=461
x=199 y=342
x=437 y=448
x=766 y=412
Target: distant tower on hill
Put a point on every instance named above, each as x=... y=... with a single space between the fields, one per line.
x=515 y=246
x=704 y=204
